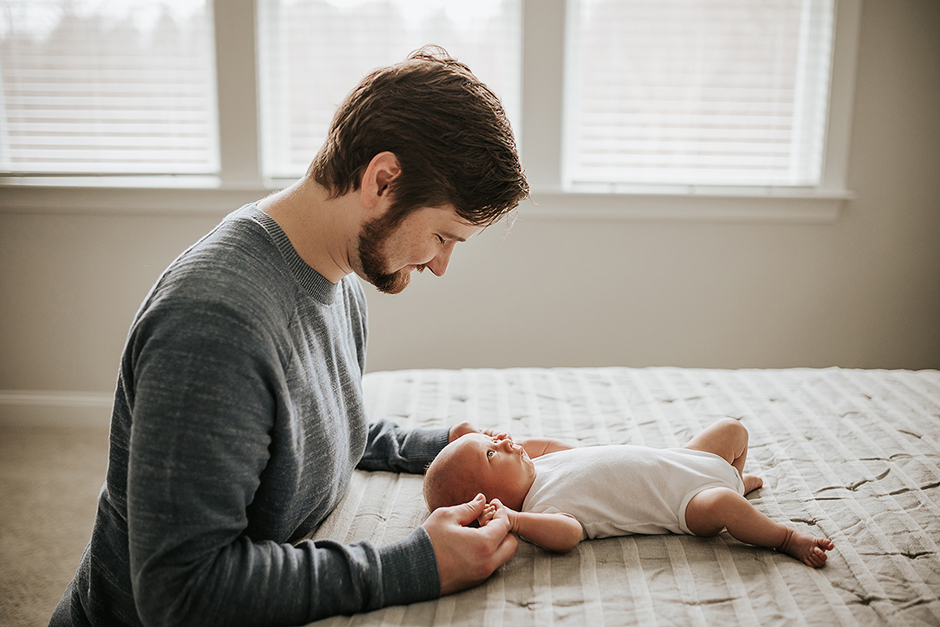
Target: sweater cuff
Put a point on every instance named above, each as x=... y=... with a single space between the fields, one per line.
x=425 y=444
x=409 y=570
x=438 y=439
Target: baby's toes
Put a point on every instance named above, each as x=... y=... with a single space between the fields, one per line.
x=751 y=483
x=817 y=557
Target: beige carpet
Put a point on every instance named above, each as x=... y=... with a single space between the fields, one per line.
x=49 y=483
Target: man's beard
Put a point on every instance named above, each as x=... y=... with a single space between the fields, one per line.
x=372 y=242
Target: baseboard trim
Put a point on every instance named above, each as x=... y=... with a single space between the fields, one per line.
x=51 y=408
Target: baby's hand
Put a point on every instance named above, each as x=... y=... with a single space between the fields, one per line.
x=495 y=509
x=488 y=513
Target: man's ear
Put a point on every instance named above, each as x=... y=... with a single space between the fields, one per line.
x=378 y=176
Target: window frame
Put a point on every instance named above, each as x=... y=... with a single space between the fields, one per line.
x=240 y=177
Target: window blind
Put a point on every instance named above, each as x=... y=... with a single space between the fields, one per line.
x=701 y=92
x=103 y=87
x=313 y=52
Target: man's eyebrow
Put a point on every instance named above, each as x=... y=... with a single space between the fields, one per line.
x=456 y=238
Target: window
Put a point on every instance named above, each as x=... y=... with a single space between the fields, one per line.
x=98 y=87
x=311 y=52
x=707 y=92
x=603 y=113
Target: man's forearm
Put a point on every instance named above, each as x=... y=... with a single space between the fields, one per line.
x=394 y=449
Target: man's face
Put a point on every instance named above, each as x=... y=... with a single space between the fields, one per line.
x=425 y=238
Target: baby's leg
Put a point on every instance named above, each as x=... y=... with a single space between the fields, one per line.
x=727 y=438
x=715 y=509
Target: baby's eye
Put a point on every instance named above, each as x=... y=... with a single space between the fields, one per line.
x=489 y=454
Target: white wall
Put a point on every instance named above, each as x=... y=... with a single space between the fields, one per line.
x=863 y=291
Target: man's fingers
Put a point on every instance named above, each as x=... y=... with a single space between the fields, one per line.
x=506 y=549
x=468 y=512
x=460 y=430
x=496 y=528
x=466 y=556
x=494 y=433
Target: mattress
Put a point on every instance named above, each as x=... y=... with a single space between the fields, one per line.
x=852 y=455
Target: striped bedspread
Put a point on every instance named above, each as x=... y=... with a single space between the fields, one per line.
x=853 y=455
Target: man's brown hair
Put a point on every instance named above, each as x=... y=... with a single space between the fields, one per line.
x=448 y=130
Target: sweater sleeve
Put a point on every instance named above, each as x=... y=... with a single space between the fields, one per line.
x=393 y=449
x=202 y=412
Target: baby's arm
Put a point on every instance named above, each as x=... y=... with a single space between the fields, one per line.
x=555 y=532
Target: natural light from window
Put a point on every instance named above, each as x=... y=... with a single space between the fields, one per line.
x=312 y=52
x=620 y=96
x=107 y=87
x=701 y=92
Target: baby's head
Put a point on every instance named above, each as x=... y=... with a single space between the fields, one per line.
x=476 y=463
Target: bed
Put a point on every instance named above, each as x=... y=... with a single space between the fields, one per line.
x=853 y=455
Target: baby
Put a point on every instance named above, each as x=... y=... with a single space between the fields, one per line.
x=568 y=494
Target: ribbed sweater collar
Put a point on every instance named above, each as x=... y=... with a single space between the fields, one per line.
x=309 y=279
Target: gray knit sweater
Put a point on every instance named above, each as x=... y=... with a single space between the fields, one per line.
x=238 y=420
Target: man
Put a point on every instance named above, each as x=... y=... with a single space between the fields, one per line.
x=238 y=416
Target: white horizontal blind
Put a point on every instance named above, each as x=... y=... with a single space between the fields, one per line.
x=313 y=52
x=107 y=87
x=701 y=92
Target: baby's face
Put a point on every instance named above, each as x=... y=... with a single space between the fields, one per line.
x=503 y=467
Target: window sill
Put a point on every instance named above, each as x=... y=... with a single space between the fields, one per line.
x=128 y=195
x=195 y=196
x=691 y=204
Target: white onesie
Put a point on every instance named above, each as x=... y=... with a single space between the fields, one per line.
x=625 y=489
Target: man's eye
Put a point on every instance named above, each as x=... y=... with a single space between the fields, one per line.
x=439 y=239
x=489 y=454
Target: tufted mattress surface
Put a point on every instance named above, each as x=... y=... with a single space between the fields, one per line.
x=853 y=455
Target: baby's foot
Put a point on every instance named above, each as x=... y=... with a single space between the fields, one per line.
x=808 y=549
x=751 y=483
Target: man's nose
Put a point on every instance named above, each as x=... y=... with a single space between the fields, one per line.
x=439 y=264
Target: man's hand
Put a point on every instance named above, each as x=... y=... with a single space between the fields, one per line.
x=464 y=428
x=466 y=556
